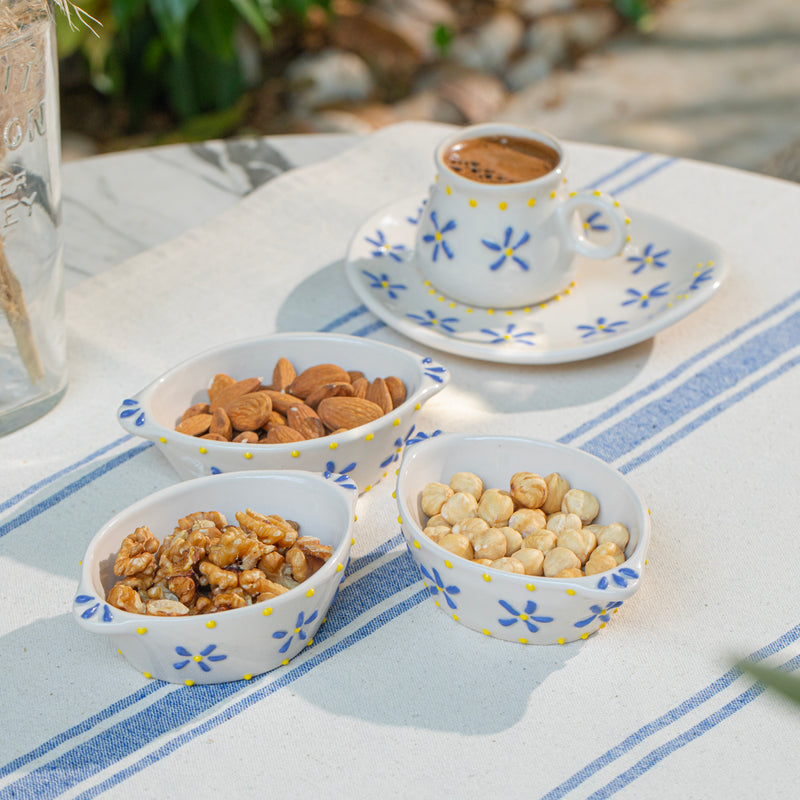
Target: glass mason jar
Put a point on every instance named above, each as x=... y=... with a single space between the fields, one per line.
x=33 y=375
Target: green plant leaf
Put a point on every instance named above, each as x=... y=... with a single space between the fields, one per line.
x=171 y=17
x=256 y=16
x=212 y=28
x=786 y=683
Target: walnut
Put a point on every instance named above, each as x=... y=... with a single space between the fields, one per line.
x=220 y=580
x=255 y=582
x=136 y=554
x=272 y=529
x=184 y=588
x=236 y=546
x=224 y=601
x=126 y=598
x=166 y=608
x=214 y=517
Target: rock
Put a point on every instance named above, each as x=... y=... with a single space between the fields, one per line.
x=528 y=70
x=428 y=105
x=490 y=46
x=588 y=29
x=531 y=9
x=549 y=38
x=478 y=96
x=329 y=77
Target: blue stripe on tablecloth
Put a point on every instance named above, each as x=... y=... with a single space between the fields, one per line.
x=62 y=494
x=179 y=707
x=679 y=370
x=626 y=165
x=18 y=498
x=711 y=381
x=667 y=162
x=671 y=716
x=688 y=736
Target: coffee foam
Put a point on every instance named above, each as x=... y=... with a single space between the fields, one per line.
x=501 y=159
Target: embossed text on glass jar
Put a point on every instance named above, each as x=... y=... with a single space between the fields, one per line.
x=32 y=332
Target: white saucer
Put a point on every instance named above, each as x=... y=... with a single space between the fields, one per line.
x=665 y=273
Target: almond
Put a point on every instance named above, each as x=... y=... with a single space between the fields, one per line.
x=281 y=401
x=197 y=408
x=347 y=412
x=397 y=389
x=234 y=391
x=329 y=390
x=221 y=424
x=248 y=437
x=219 y=382
x=196 y=425
x=281 y=434
x=283 y=374
x=379 y=394
x=308 y=424
x=214 y=437
x=274 y=419
x=355 y=374
x=360 y=387
x=315 y=376
x=250 y=412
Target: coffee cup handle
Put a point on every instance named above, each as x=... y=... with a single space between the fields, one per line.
x=606 y=215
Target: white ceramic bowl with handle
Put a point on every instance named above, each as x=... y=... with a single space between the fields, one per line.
x=238 y=643
x=365 y=453
x=513 y=607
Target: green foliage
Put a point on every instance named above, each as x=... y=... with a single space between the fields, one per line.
x=178 y=56
x=778 y=679
x=443 y=36
x=636 y=11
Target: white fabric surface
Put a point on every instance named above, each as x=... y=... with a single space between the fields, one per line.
x=395 y=700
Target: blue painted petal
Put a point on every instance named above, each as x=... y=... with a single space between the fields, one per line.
x=497 y=264
x=630 y=573
x=128 y=412
x=508 y=622
x=542 y=619
x=130 y=402
x=447 y=249
x=90 y=612
x=584 y=622
x=450 y=602
x=522 y=240
x=530 y=607
x=491 y=245
x=210 y=649
x=312 y=617
x=507 y=236
x=452 y=590
x=279 y=634
x=619 y=580
x=217 y=658
x=522 y=264
x=284 y=647
x=180 y=664
x=203 y=666
x=84 y=598
x=107 y=615
x=508 y=607
x=531 y=627
x=602 y=583
x=449 y=227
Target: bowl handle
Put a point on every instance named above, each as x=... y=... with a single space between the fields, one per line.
x=437 y=377
x=97 y=616
x=133 y=419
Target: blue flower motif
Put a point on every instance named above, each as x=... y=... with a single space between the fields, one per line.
x=699 y=278
x=437 y=237
x=509 y=335
x=508 y=250
x=88 y=613
x=525 y=616
x=649 y=258
x=302 y=622
x=395 y=456
x=340 y=476
x=435 y=373
x=643 y=298
x=200 y=659
x=383 y=248
x=598 y=612
x=383 y=282
x=132 y=407
x=601 y=326
x=415 y=219
x=429 y=320
x=439 y=586
x=591 y=223
x=620 y=578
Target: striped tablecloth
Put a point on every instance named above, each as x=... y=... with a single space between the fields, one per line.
x=393 y=699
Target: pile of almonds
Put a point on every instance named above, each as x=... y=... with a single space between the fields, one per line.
x=319 y=401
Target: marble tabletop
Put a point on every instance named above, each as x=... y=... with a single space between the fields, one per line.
x=120 y=204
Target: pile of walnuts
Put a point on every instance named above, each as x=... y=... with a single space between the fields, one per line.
x=206 y=565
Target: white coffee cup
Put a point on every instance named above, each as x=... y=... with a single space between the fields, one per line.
x=511 y=244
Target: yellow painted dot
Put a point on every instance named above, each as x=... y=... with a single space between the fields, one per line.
x=710 y=263
x=602 y=625
x=339 y=567
x=426 y=283
x=141 y=631
x=552 y=195
x=532 y=202
x=456 y=617
x=448 y=190
x=473 y=202
x=486 y=633
x=284 y=662
x=572 y=194
x=400 y=520
x=509 y=312
x=162 y=439
x=542 y=305
x=570 y=591
x=615 y=611
x=418 y=406
x=198 y=659
x=369 y=437
x=189 y=683
x=597 y=193
x=561 y=641
x=395 y=423
x=247 y=677
x=523 y=640
x=368 y=488
x=616 y=203
x=451 y=305
x=502 y=206
x=310 y=593
x=436 y=603
x=248 y=456
x=147 y=675
x=310 y=642
x=527 y=309
x=448 y=564
x=203 y=451
x=119 y=651
x=267 y=611
x=333 y=445
x=627 y=220
x=211 y=624
x=530 y=587
x=440 y=298
x=295 y=453
x=438 y=236
x=509 y=252
x=352 y=541
x=585 y=635
x=490 y=311
x=417 y=544
x=487 y=577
